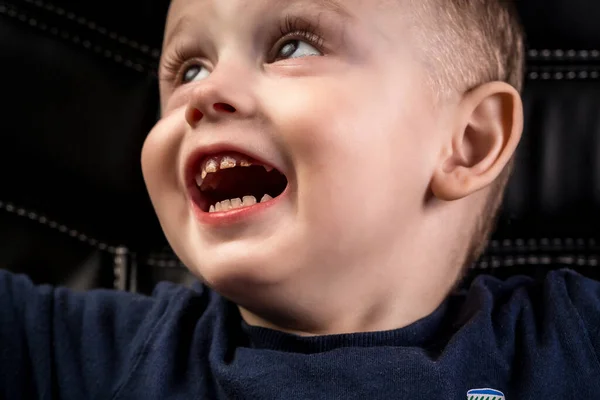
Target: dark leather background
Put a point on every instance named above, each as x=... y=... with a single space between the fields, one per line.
x=79 y=94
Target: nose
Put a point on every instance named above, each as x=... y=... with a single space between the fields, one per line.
x=220 y=96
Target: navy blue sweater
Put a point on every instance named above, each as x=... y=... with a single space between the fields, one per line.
x=527 y=340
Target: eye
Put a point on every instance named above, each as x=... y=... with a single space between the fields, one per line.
x=296 y=49
x=194 y=73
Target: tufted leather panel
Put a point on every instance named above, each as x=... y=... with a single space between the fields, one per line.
x=556 y=188
x=80 y=94
x=550 y=213
x=561 y=24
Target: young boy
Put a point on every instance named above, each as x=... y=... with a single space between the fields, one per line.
x=328 y=169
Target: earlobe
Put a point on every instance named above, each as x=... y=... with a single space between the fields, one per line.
x=489 y=125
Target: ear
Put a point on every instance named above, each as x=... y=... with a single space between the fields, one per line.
x=488 y=128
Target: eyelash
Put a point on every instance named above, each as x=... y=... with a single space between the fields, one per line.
x=174 y=65
x=291 y=28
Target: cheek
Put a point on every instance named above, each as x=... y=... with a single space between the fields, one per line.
x=160 y=159
x=355 y=152
x=176 y=99
x=315 y=115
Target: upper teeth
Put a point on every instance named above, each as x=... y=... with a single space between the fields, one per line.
x=228 y=162
x=214 y=164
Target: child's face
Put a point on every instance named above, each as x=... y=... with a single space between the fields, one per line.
x=338 y=106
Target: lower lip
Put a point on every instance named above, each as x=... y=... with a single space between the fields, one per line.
x=222 y=218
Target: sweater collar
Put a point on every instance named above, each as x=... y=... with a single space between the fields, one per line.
x=418 y=334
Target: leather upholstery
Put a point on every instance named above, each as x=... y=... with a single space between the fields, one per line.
x=79 y=94
x=550 y=214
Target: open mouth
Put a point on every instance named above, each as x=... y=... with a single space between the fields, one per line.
x=231 y=181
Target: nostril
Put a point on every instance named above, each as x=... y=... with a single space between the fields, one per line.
x=224 y=107
x=196 y=115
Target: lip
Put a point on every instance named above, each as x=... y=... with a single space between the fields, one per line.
x=192 y=166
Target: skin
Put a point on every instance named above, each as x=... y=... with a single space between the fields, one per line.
x=383 y=178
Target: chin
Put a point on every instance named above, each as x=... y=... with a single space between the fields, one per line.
x=240 y=266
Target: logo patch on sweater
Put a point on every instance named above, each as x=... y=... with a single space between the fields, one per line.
x=485 y=394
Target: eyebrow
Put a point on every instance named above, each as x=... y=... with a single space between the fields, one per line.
x=184 y=22
x=335 y=6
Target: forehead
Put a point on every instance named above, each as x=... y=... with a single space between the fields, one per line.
x=178 y=7
x=184 y=14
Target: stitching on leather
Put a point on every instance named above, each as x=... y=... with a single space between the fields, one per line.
x=165 y=263
x=568 y=74
x=559 y=241
x=93 y=26
x=536 y=260
x=41 y=219
x=562 y=54
x=533 y=244
x=64 y=35
x=539 y=71
x=116 y=252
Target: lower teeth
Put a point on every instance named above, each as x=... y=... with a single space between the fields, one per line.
x=247 y=201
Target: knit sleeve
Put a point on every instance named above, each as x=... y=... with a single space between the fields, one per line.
x=56 y=343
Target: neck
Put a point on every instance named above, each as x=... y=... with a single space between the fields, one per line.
x=398 y=289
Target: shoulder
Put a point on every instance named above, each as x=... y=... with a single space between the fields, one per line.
x=578 y=297
x=562 y=289
x=558 y=289
x=561 y=307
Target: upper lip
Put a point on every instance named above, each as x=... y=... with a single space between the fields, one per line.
x=198 y=155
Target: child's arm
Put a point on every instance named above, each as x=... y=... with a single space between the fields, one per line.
x=60 y=344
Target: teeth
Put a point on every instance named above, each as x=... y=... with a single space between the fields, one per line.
x=214 y=164
x=236 y=203
x=249 y=201
x=233 y=204
x=211 y=166
x=228 y=162
x=226 y=205
x=200 y=179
